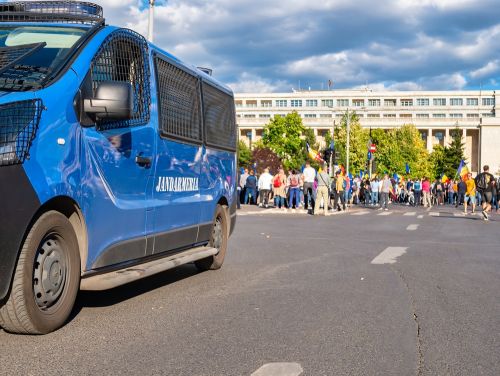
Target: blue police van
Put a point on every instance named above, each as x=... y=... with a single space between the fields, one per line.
x=117 y=161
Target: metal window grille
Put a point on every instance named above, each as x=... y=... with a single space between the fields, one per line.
x=220 y=121
x=18 y=125
x=123 y=57
x=179 y=101
x=51 y=11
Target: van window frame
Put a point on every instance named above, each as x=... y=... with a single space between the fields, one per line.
x=170 y=136
x=138 y=119
x=233 y=110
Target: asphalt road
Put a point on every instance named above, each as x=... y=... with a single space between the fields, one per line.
x=299 y=289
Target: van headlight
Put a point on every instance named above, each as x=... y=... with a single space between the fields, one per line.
x=18 y=125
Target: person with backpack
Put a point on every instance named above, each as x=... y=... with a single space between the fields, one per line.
x=265 y=185
x=417 y=190
x=484 y=185
x=251 y=188
x=293 y=185
x=279 y=185
x=308 y=177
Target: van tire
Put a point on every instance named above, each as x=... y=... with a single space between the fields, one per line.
x=46 y=280
x=218 y=239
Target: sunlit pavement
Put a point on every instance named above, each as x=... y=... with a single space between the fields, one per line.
x=408 y=291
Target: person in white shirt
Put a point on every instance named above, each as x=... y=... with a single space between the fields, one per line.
x=308 y=177
x=265 y=185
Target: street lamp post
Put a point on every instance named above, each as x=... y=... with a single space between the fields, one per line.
x=348 y=142
x=151 y=20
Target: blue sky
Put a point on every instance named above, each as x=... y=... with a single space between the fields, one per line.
x=274 y=46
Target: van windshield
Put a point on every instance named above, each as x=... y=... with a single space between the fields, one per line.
x=29 y=54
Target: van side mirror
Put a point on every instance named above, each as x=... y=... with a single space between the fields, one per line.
x=113 y=100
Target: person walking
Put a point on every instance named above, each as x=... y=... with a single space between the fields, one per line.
x=308 y=177
x=484 y=185
x=324 y=181
x=279 y=189
x=470 y=193
x=385 y=189
x=293 y=184
x=251 y=188
x=265 y=183
x=426 y=190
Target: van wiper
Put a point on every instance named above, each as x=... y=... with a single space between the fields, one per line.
x=10 y=56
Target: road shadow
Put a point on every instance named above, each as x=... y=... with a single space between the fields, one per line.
x=106 y=298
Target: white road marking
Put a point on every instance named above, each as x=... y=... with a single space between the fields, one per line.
x=279 y=369
x=458 y=214
x=410 y=214
x=420 y=216
x=385 y=213
x=360 y=213
x=389 y=255
x=434 y=214
x=412 y=227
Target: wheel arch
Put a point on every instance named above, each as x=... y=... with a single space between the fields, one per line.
x=71 y=210
x=225 y=206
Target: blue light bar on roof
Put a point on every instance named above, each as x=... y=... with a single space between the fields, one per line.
x=51 y=11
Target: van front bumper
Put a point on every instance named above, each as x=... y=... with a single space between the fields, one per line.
x=18 y=205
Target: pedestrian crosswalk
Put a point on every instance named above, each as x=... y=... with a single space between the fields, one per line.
x=360 y=212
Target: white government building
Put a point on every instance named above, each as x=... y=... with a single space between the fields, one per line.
x=434 y=113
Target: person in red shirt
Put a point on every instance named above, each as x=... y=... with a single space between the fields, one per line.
x=426 y=189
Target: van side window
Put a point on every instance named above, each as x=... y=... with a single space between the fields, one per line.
x=123 y=57
x=219 y=116
x=178 y=102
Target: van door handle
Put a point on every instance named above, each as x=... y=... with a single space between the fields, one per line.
x=143 y=161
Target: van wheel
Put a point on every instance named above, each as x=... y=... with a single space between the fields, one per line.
x=218 y=240
x=46 y=280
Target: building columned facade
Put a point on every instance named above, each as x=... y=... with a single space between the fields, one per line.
x=434 y=113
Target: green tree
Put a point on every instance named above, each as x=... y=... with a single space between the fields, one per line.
x=358 y=141
x=283 y=136
x=244 y=154
x=438 y=161
x=401 y=146
x=454 y=153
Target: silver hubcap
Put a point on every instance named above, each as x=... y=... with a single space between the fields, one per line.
x=217 y=235
x=49 y=274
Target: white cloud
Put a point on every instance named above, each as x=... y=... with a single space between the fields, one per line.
x=491 y=68
x=276 y=43
x=248 y=83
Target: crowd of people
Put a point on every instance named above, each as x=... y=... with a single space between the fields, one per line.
x=315 y=190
